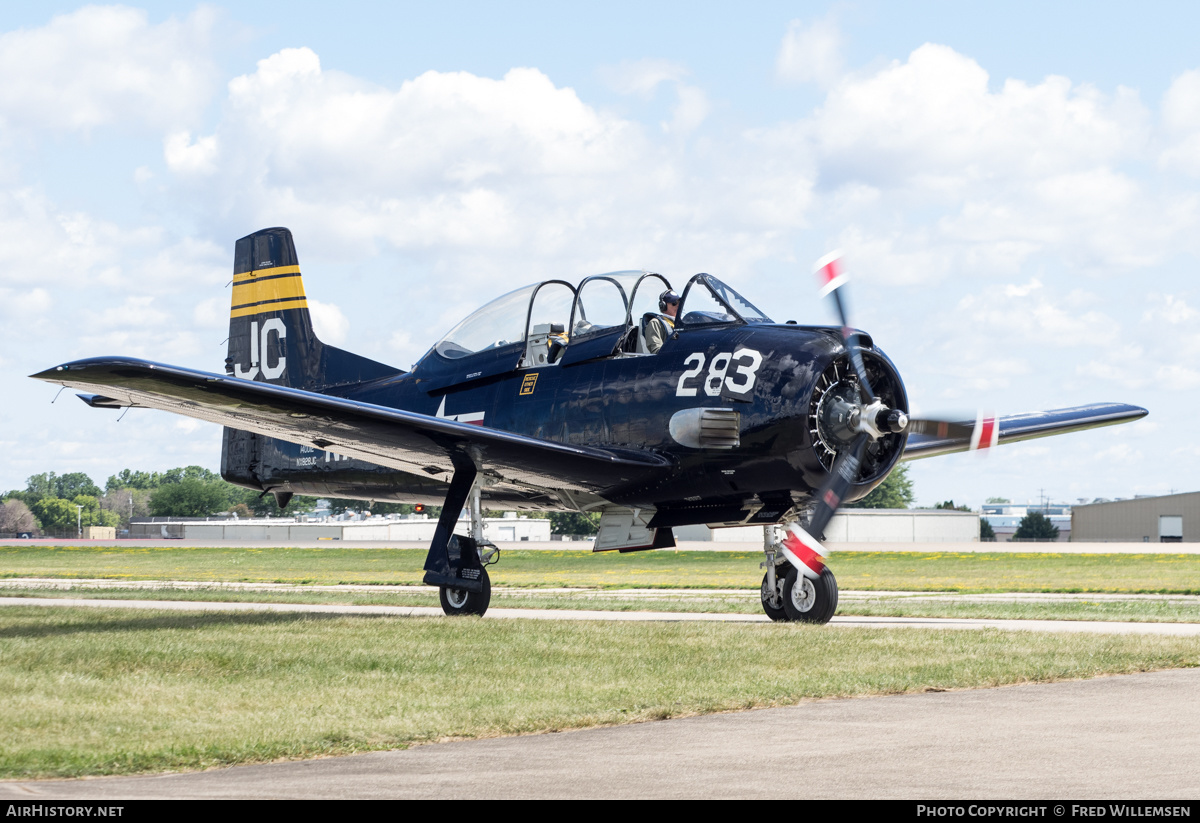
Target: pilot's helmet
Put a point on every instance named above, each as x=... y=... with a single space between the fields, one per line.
x=667 y=298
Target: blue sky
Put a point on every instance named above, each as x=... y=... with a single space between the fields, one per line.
x=1015 y=188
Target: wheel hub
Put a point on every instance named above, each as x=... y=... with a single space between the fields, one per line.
x=804 y=595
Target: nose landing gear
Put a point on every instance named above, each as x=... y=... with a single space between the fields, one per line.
x=788 y=595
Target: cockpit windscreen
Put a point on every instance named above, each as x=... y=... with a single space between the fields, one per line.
x=497 y=324
x=748 y=311
x=707 y=300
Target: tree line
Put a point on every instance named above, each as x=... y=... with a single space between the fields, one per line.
x=58 y=504
x=51 y=502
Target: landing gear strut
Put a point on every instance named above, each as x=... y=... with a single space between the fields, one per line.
x=456 y=564
x=772 y=585
x=787 y=595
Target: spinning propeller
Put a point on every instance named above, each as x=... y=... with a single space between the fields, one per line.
x=862 y=422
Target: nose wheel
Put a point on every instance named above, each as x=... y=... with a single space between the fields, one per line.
x=789 y=596
x=806 y=600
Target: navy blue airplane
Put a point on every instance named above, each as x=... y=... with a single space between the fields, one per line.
x=614 y=396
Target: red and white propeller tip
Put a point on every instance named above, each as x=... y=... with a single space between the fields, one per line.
x=804 y=552
x=986 y=433
x=830 y=272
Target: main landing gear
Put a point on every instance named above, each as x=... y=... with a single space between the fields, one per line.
x=789 y=595
x=457 y=564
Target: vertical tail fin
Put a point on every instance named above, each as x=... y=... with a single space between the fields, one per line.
x=271 y=339
x=271 y=336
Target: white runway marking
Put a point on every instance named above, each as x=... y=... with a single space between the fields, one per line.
x=1089 y=626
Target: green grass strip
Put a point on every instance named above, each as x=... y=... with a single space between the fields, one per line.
x=85 y=691
x=886 y=571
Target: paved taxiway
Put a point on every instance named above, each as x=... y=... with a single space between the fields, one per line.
x=1090 y=626
x=1131 y=736
x=750 y=595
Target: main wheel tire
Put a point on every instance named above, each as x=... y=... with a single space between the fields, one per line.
x=461 y=601
x=772 y=612
x=810 y=601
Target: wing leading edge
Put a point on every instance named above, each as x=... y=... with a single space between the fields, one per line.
x=1018 y=427
x=408 y=441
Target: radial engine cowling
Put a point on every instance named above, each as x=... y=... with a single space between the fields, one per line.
x=836 y=414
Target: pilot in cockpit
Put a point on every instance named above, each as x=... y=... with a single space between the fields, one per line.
x=658 y=327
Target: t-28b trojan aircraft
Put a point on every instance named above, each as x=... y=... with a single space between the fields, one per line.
x=613 y=395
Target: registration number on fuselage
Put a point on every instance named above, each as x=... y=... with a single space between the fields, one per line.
x=729 y=372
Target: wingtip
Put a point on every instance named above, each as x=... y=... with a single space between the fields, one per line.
x=52 y=374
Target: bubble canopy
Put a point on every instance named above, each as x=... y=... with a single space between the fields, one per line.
x=496 y=324
x=601 y=303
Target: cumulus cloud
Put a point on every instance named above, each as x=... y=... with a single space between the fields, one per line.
x=1169 y=308
x=691 y=110
x=457 y=164
x=185 y=156
x=810 y=53
x=42 y=244
x=1181 y=122
x=642 y=77
x=24 y=303
x=328 y=322
x=936 y=171
x=102 y=65
x=932 y=119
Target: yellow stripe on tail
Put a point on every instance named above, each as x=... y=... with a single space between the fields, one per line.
x=267 y=290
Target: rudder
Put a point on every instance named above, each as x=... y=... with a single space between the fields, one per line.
x=271 y=336
x=271 y=339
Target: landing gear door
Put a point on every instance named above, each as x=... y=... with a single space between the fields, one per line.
x=628 y=530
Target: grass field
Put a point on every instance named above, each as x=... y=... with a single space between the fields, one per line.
x=85 y=691
x=869 y=571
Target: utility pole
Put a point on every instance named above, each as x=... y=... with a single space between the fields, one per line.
x=79 y=519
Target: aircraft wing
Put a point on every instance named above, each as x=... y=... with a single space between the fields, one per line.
x=411 y=442
x=1025 y=427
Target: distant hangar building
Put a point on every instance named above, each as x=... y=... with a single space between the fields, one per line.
x=1171 y=518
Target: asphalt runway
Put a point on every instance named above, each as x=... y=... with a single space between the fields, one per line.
x=1089 y=626
x=1125 y=737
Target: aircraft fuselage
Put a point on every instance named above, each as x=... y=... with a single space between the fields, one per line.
x=769 y=375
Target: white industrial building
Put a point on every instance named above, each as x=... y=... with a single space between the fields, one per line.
x=866 y=526
x=510 y=528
